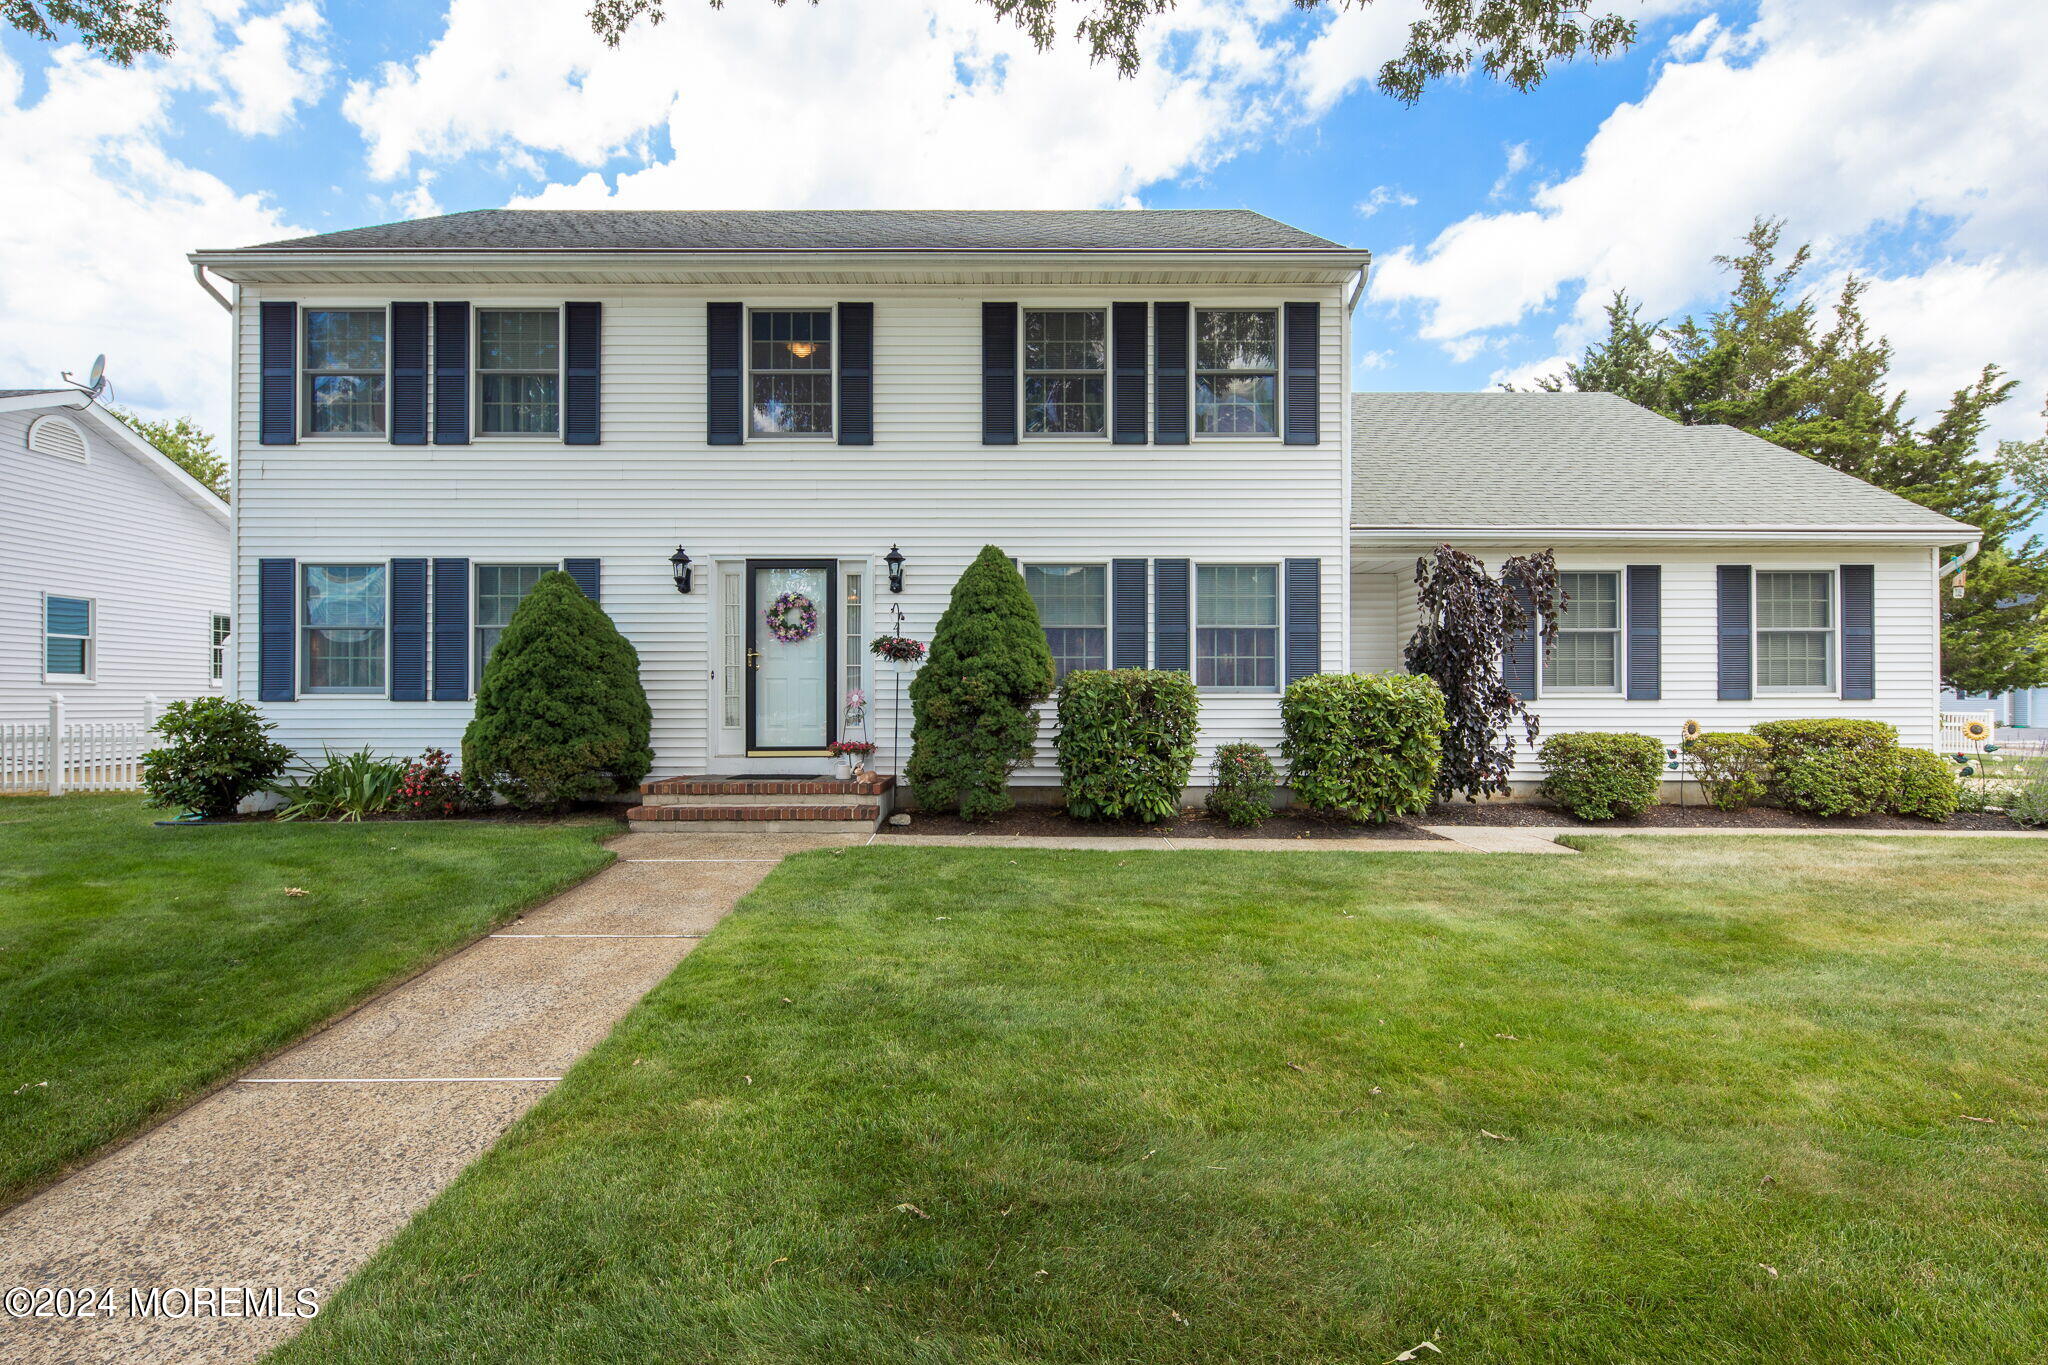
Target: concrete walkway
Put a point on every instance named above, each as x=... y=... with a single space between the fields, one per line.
x=292 y=1176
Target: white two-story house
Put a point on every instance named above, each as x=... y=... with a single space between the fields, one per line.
x=698 y=413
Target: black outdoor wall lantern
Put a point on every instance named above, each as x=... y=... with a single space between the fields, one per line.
x=679 y=566
x=894 y=559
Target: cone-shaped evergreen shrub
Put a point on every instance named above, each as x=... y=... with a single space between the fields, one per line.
x=560 y=714
x=970 y=705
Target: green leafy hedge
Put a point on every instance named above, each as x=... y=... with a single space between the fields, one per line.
x=1244 y=782
x=1126 y=742
x=1363 y=745
x=1927 y=785
x=214 y=753
x=1733 y=769
x=1599 y=776
x=1832 y=767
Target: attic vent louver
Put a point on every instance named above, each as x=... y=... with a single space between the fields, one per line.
x=59 y=436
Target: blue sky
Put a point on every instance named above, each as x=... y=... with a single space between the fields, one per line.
x=1908 y=140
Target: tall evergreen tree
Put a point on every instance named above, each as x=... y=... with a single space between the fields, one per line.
x=1768 y=361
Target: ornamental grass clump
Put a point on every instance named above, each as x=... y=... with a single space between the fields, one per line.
x=1600 y=776
x=560 y=714
x=972 y=721
x=1363 y=745
x=1832 y=767
x=1244 y=780
x=1126 y=742
x=1732 y=768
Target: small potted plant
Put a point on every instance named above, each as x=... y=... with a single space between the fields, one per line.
x=852 y=755
x=899 y=649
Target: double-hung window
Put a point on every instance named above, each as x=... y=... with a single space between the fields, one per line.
x=789 y=362
x=1587 y=656
x=67 y=637
x=345 y=371
x=1237 y=371
x=1237 y=627
x=223 y=626
x=342 y=628
x=519 y=371
x=1066 y=372
x=500 y=588
x=1073 y=606
x=1795 y=631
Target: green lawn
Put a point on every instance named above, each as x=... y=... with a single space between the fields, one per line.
x=921 y=1105
x=139 y=965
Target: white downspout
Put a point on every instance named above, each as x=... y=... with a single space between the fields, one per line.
x=199 y=274
x=1969 y=553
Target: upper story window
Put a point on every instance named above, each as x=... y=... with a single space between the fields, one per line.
x=1073 y=606
x=789 y=359
x=500 y=588
x=1237 y=627
x=344 y=370
x=1237 y=371
x=223 y=626
x=342 y=628
x=1588 y=650
x=67 y=637
x=1066 y=372
x=1795 y=631
x=519 y=371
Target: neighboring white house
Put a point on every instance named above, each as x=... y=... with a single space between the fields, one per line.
x=1147 y=409
x=113 y=565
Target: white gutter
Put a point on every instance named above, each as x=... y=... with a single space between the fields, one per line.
x=199 y=274
x=1936 y=535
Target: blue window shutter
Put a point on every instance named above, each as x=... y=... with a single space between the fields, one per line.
x=1518 y=660
x=582 y=373
x=408 y=630
x=1170 y=649
x=277 y=604
x=587 y=573
x=408 y=374
x=451 y=374
x=724 y=411
x=1170 y=374
x=1304 y=589
x=1130 y=599
x=1732 y=627
x=1645 y=606
x=1859 y=633
x=856 y=374
x=277 y=353
x=451 y=630
x=999 y=374
x=1128 y=347
x=1301 y=343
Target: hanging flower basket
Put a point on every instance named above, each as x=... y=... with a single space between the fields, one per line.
x=792 y=618
x=897 y=648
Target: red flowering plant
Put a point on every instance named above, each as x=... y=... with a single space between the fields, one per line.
x=898 y=648
x=428 y=789
x=849 y=748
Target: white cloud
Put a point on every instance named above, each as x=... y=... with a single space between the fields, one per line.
x=1845 y=117
x=262 y=65
x=1517 y=162
x=1382 y=196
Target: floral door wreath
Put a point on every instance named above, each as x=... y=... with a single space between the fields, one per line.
x=792 y=618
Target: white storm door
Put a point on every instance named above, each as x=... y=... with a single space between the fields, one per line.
x=789 y=681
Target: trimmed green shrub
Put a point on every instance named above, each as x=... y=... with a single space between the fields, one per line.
x=1363 y=745
x=1733 y=769
x=1833 y=767
x=560 y=714
x=971 y=704
x=1926 y=785
x=1600 y=776
x=343 y=787
x=1126 y=742
x=1243 y=793
x=215 y=753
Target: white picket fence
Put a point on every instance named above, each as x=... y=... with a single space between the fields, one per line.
x=64 y=755
x=1954 y=741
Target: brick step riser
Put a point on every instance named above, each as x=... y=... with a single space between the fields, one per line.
x=697 y=815
x=751 y=826
x=752 y=799
x=705 y=787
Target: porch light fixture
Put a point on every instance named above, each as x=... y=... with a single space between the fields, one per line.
x=894 y=559
x=679 y=566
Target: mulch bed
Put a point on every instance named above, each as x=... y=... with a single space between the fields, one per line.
x=1531 y=813
x=1051 y=821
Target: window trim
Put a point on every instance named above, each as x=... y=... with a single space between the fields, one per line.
x=476 y=606
x=304 y=373
x=476 y=367
x=300 y=672
x=830 y=435
x=1024 y=310
x=1279 y=626
x=1545 y=688
x=1279 y=371
x=1833 y=686
x=217 y=648
x=1024 y=567
x=91 y=638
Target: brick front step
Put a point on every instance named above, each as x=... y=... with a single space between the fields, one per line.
x=754 y=815
x=873 y=784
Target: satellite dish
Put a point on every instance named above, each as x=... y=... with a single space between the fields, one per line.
x=95 y=383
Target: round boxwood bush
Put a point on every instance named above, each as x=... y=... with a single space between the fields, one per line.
x=560 y=713
x=1733 y=769
x=1363 y=745
x=1126 y=742
x=971 y=704
x=1600 y=776
x=215 y=752
x=1244 y=780
x=1832 y=767
x=1927 y=785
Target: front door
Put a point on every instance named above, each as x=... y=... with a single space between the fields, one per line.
x=791 y=655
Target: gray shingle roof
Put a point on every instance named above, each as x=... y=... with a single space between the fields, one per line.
x=1591 y=461
x=24 y=393
x=824 y=230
